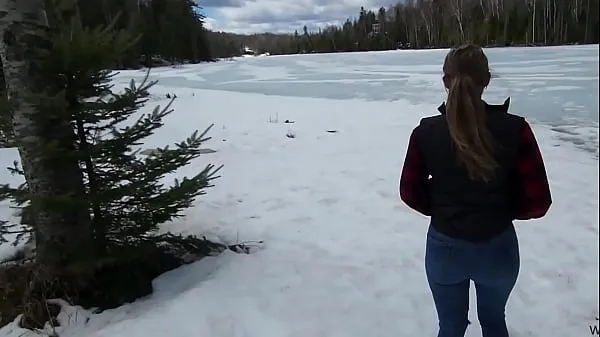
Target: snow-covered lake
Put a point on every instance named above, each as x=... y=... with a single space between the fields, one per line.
x=554 y=85
x=343 y=257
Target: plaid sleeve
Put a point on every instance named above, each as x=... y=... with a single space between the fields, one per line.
x=533 y=194
x=414 y=179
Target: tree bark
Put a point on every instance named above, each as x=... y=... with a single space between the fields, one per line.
x=587 y=23
x=533 y=16
x=62 y=233
x=457 y=11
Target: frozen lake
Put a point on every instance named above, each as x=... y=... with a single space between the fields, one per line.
x=551 y=85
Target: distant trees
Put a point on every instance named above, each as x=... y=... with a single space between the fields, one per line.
x=443 y=23
x=173 y=31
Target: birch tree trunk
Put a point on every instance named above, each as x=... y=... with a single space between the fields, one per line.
x=587 y=23
x=62 y=234
x=457 y=11
x=6 y=135
x=533 y=16
x=427 y=19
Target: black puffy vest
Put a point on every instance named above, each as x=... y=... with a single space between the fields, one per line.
x=463 y=208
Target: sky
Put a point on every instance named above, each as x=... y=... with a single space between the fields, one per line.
x=280 y=16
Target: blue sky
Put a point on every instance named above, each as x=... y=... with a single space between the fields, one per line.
x=280 y=16
x=210 y=12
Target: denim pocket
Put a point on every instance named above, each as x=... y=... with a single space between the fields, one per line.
x=442 y=261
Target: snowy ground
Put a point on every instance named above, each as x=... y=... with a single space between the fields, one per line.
x=343 y=257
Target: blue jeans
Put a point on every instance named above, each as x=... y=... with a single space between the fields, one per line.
x=493 y=266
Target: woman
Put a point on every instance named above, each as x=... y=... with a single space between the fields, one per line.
x=473 y=169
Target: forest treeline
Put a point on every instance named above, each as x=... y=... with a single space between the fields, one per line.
x=174 y=30
x=442 y=23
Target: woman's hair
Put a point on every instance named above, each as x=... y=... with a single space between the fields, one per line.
x=466 y=74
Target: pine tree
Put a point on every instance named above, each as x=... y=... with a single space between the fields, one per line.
x=126 y=194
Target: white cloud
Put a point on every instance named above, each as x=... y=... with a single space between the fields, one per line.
x=282 y=16
x=210 y=23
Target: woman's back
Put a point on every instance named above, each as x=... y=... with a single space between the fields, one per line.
x=474 y=168
x=473 y=210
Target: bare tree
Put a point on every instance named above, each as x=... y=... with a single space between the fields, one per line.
x=426 y=7
x=587 y=22
x=532 y=6
x=456 y=6
x=487 y=11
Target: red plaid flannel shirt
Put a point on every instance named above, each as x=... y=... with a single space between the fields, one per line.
x=534 y=197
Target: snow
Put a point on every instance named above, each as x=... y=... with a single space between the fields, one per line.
x=342 y=255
